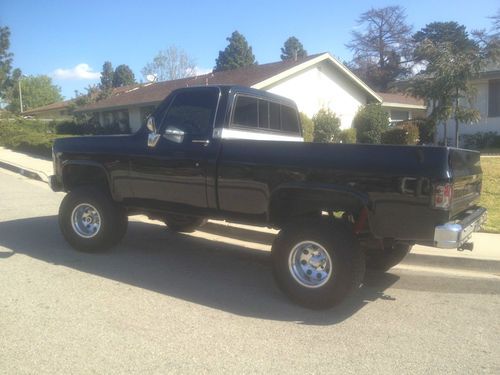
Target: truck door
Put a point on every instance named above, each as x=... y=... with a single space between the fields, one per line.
x=174 y=168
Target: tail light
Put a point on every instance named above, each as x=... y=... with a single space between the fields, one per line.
x=443 y=194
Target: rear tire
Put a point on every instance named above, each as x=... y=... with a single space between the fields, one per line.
x=183 y=223
x=90 y=220
x=316 y=263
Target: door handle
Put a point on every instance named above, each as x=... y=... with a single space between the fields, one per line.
x=204 y=142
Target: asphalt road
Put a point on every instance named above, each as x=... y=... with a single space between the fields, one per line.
x=169 y=303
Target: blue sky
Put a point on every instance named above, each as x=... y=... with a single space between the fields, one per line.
x=70 y=40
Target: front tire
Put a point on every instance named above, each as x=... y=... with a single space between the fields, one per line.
x=90 y=221
x=317 y=264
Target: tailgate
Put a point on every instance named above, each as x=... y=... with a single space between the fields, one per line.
x=466 y=176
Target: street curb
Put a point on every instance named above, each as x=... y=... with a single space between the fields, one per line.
x=469 y=264
x=23 y=171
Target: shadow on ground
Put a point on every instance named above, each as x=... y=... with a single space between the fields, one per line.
x=222 y=276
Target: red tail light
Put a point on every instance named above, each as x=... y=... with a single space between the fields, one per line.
x=443 y=194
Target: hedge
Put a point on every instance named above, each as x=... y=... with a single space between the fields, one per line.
x=401 y=135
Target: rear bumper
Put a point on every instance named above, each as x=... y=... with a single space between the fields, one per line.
x=455 y=233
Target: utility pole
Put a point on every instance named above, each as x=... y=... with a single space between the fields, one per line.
x=20 y=95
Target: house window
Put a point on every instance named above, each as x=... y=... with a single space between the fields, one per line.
x=494 y=98
x=398 y=116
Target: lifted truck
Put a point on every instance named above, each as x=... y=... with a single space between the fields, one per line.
x=236 y=153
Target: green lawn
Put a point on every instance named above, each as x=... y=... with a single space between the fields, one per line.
x=490 y=196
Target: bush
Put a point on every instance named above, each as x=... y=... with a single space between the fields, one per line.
x=401 y=135
x=370 y=122
x=326 y=126
x=348 y=136
x=307 y=127
x=28 y=136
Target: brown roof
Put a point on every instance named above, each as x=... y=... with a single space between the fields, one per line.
x=150 y=93
x=389 y=97
x=48 y=107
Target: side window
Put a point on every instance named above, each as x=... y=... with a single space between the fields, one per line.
x=274 y=116
x=245 y=112
x=263 y=114
x=289 y=119
x=192 y=111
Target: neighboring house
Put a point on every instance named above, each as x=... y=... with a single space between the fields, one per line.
x=59 y=110
x=315 y=82
x=487 y=101
x=401 y=107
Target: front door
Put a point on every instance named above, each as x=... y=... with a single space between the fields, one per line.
x=174 y=170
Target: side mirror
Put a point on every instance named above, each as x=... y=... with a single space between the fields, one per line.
x=174 y=134
x=151 y=125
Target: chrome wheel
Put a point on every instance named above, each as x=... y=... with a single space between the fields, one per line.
x=86 y=220
x=310 y=264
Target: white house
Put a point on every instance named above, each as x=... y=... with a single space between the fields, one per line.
x=487 y=101
x=315 y=82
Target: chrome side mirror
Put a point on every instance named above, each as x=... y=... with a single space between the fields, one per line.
x=174 y=134
x=151 y=125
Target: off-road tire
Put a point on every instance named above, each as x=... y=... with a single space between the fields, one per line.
x=347 y=262
x=113 y=220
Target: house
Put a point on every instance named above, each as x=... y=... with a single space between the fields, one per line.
x=315 y=82
x=59 y=110
x=486 y=100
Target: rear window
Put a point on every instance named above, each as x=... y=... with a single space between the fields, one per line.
x=264 y=114
x=245 y=112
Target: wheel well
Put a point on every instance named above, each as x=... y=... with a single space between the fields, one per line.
x=79 y=175
x=287 y=205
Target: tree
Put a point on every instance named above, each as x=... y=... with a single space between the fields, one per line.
x=237 y=54
x=382 y=48
x=370 y=122
x=451 y=61
x=292 y=49
x=169 y=64
x=5 y=61
x=307 y=127
x=107 y=76
x=326 y=126
x=36 y=91
x=123 y=76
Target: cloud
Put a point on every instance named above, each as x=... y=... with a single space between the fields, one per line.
x=79 y=72
x=200 y=71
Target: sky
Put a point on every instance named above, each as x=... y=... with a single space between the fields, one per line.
x=70 y=40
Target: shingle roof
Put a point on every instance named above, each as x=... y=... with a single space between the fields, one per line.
x=402 y=99
x=155 y=92
x=48 y=107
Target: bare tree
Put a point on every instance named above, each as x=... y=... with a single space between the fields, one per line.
x=382 y=46
x=169 y=64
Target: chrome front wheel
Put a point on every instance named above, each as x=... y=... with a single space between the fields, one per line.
x=310 y=264
x=86 y=220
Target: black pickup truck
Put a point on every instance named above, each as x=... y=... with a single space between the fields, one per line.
x=236 y=153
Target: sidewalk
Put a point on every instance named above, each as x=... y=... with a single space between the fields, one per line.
x=484 y=257
x=29 y=166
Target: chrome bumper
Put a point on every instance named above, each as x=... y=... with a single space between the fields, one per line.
x=455 y=233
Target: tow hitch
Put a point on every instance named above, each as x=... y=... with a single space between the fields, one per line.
x=469 y=246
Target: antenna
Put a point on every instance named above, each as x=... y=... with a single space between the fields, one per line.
x=152 y=77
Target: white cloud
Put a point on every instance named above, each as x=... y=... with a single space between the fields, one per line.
x=79 y=72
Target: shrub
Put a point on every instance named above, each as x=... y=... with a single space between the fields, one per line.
x=326 y=126
x=370 y=122
x=307 y=127
x=348 y=136
x=401 y=135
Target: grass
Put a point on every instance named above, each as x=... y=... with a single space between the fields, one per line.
x=490 y=195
